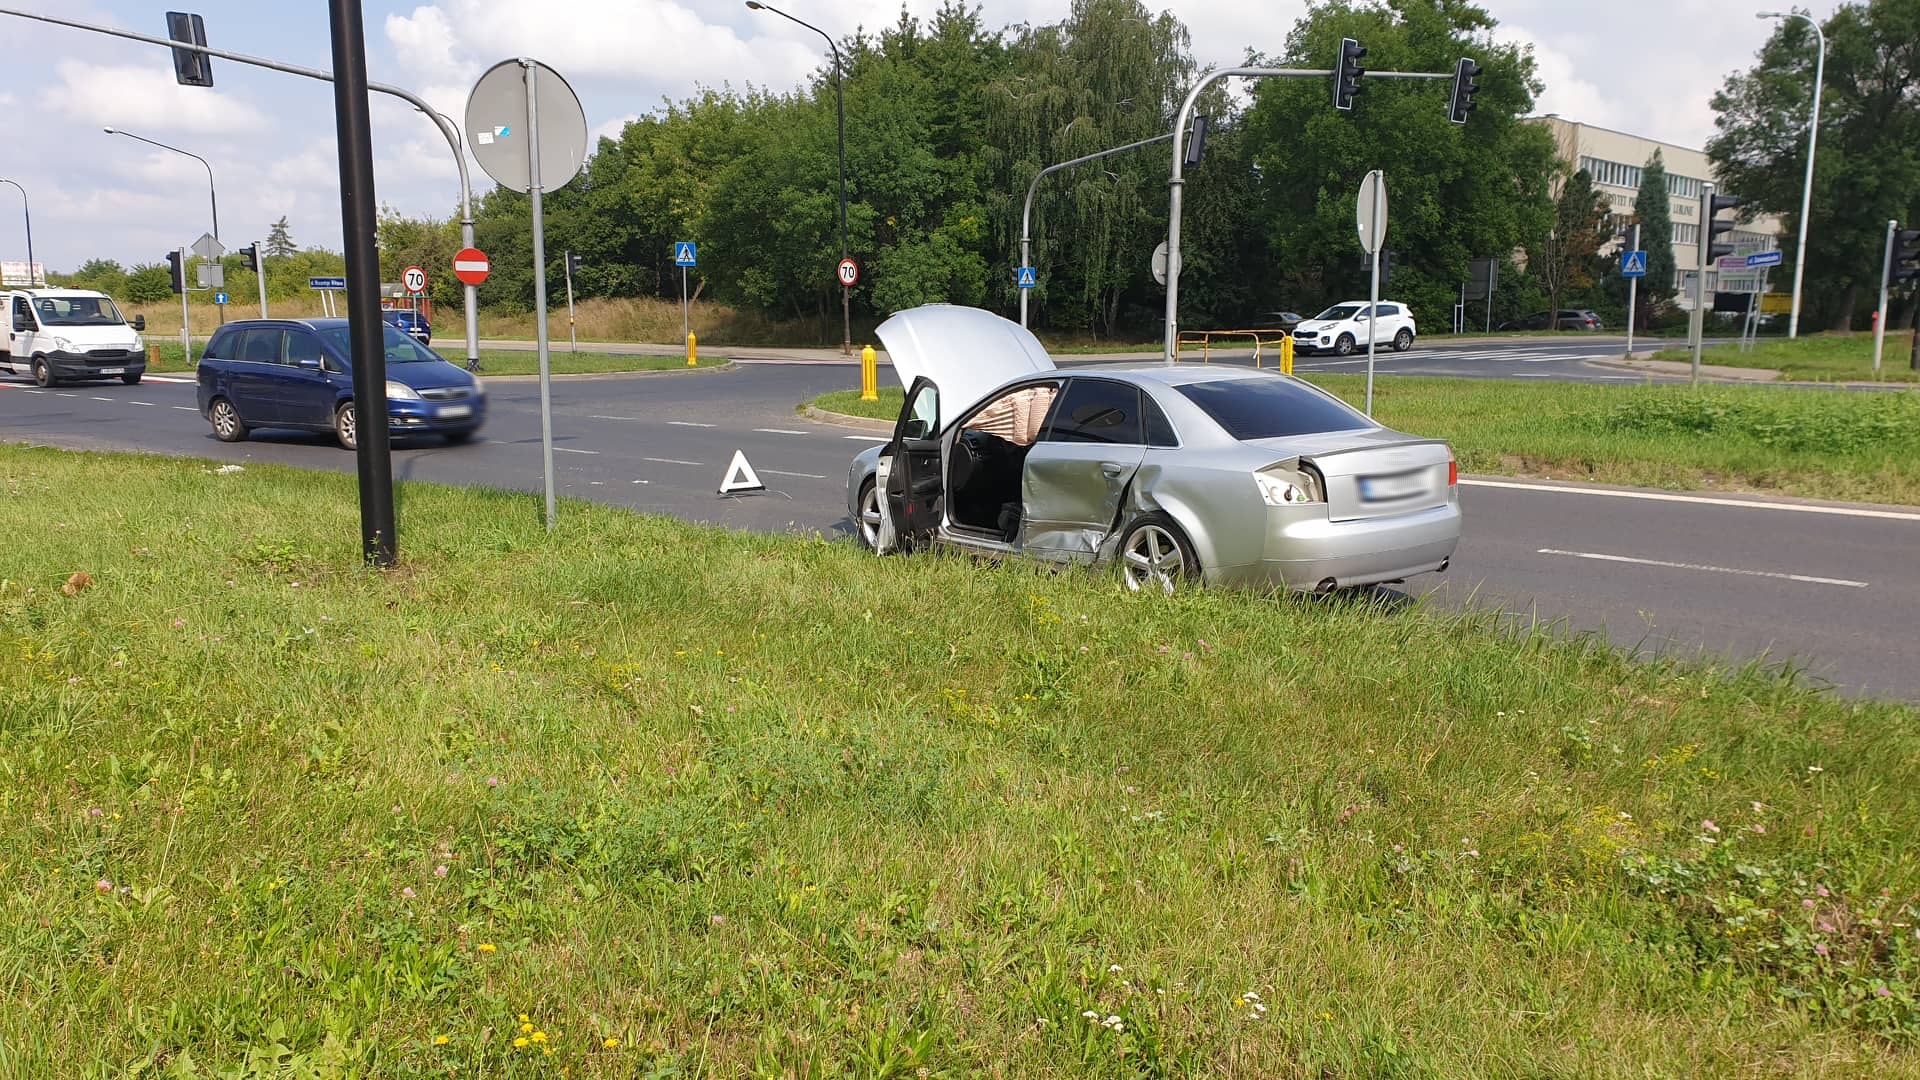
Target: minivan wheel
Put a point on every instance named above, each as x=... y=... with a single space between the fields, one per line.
x=1403 y=340
x=227 y=426
x=42 y=373
x=131 y=378
x=1343 y=347
x=1155 y=556
x=868 y=523
x=345 y=429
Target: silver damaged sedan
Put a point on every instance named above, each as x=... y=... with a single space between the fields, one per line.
x=1176 y=473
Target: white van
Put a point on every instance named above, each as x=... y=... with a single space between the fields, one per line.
x=57 y=335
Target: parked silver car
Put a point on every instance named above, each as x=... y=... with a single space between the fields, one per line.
x=1178 y=473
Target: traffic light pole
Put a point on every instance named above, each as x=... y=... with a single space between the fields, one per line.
x=1698 y=329
x=1178 y=180
x=446 y=126
x=260 y=273
x=186 y=336
x=1886 y=277
x=1026 y=211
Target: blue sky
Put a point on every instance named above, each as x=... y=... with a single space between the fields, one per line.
x=269 y=136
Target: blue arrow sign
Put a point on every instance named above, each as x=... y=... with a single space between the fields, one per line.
x=1025 y=277
x=219 y=298
x=338 y=284
x=683 y=253
x=1633 y=264
x=1764 y=258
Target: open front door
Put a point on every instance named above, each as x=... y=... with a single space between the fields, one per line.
x=913 y=478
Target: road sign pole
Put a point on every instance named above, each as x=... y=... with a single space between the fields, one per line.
x=1886 y=275
x=686 y=309
x=540 y=288
x=1633 y=294
x=573 y=334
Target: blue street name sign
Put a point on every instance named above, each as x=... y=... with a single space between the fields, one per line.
x=1025 y=277
x=338 y=283
x=1633 y=264
x=1764 y=258
x=683 y=253
x=219 y=298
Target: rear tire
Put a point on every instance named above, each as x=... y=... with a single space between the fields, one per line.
x=346 y=428
x=227 y=426
x=1156 y=557
x=43 y=374
x=131 y=378
x=1343 y=347
x=1403 y=340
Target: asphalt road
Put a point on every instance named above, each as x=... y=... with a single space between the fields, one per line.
x=1827 y=587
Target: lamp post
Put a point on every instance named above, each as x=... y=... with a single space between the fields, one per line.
x=840 y=108
x=1813 y=140
x=27 y=211
x=213 y=200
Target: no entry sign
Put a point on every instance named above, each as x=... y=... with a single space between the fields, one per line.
x=471 y=266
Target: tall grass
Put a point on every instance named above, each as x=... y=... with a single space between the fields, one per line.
x=1819 y=357
x=665 y=800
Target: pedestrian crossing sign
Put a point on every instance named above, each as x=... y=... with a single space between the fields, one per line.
x=684 y=253
x=1633 y=264
x=1025 y=278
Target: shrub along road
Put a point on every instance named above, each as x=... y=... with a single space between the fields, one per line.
x=1830 y=587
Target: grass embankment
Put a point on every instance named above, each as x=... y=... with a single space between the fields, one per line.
x=662 y=799
x=1819 y=358
x=492 y=361
x=1735 y=438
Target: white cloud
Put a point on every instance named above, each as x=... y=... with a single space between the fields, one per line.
x=146 y=97
x=7 y=100
x=611 y=129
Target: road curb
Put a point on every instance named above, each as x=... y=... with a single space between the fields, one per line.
x=701 y=370
x=864 y=423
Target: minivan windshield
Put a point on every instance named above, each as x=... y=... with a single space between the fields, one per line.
x=77 y=311
x=401 y=349
x=1339 y=313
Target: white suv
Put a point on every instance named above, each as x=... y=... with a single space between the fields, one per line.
x=1342 y=328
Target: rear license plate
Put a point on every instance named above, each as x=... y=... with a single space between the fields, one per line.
x=113 y=371
x=453 y=412
x=1386 y=488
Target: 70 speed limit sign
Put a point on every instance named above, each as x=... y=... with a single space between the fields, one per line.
x=849 y=272
x=415 y=279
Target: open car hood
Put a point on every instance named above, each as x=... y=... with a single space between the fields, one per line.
x=965 y=351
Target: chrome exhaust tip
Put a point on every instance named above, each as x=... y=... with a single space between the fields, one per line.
x=1326 y=587
x=1444 y=563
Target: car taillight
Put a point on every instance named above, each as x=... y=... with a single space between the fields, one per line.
x=1453 y=473
x=1281 y=486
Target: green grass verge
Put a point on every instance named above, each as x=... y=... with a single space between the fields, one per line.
x=692 y=802
x=1819 y=358
x=493 y=361
x=1734 y=438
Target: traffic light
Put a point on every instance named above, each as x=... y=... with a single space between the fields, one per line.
x=1466 y=83
x=1346 y=75
x=1711 y=225
x=573 y=264
x=1906 y=255
x=190 y=68
x=1197 y=141
x=251 y=253
x=178 y=271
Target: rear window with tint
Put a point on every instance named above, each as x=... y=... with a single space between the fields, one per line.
x=1271 y=408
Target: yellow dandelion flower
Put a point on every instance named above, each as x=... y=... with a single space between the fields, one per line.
x=526 y=1029
x=521 y=1042
x=523 y=1018
x=539 y=1036
x=487 y=947
x=440 y=1040
x=611 y=1044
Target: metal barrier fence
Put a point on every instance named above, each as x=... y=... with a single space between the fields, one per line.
x=1276 y=340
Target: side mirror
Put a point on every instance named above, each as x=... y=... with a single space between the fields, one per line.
x=139 y=322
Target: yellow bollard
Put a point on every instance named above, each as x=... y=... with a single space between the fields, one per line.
x=1286 y=355
x=869 y=374
x=692 y=354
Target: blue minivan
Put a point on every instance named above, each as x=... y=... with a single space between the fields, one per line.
x=295 y=373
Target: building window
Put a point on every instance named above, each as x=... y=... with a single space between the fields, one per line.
x=1683 y=187
x=1686 y=234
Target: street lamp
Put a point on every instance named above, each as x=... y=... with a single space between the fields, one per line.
x=28 y=212
x=1813 y=139
x=840 y=107
x=212 y=199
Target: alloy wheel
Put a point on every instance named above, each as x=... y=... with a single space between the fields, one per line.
x=1152 y=560
x=870 y=515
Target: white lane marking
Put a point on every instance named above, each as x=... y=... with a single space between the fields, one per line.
x=643 y=481
x=669 y=461
x=777 y=431
x=1533 y=374
x=63 y=395
x=869 y=438
x=169 y=379
x=688 y=423
x=1809 y=579
x=613 y=418
x=570 y=450
x=186 y=408
x=1741 y=504
x=807 y=475
x=97 y=397
x=29 y=391
x=151 y=404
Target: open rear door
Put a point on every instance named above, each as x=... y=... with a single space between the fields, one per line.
x=914 y=481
